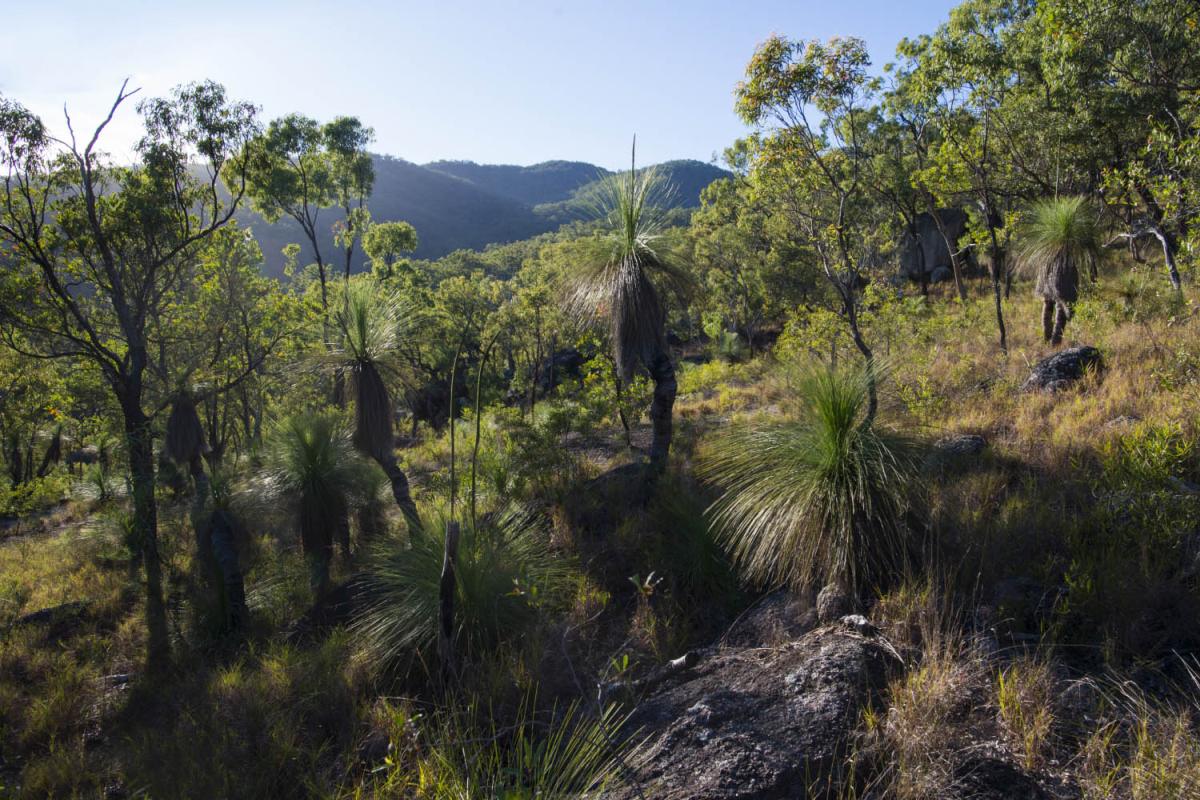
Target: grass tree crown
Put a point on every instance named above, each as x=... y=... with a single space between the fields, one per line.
x=1060 y=235
x=818 y=498
x=617 y=274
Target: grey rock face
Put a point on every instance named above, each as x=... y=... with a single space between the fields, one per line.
x=967 y=444
x=941 y=275
x=1062 y=369
x=984 y=778
x=758 y=723
x=832 y=604
x=924 y=251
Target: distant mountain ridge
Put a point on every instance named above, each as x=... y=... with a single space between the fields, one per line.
x=457 y=205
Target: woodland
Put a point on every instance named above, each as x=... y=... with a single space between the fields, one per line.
x=865 y=465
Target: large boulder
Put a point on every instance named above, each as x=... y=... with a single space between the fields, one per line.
x=923 y=253
x=757 y=723
x=1062 y=369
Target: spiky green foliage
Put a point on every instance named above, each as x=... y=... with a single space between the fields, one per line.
x=505 y=572
x=370 y=325
x=313 y=465
x=1061 y=236
x=569 y=756
x=821 y=498
x=619 y=276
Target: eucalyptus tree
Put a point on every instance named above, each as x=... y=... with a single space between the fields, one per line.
x=615 y=277
x=745 y=271
x=242 y=326
x=812 y=101
x=385 y=242
x=97 y=250
x=298 y=167
x=1132 y=71
x=966 y=77
x=352 y=177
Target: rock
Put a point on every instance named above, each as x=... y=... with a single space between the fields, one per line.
x=375 y=748
x=832 y=604
x=777 y=618
x=57 y=622
x=757 y=723
x=559 y=366
x=923 y=251
x=986 y=778
x=966 y=444
x=1060 y=370
x=859 y=624
x=940 y=275
x=602 y=503
x=1122 y=421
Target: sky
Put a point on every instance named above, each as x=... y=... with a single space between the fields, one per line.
x=491 y=82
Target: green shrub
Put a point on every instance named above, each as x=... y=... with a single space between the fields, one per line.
x=505 y=573
x=820 y=498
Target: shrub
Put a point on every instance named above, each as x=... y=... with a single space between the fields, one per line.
x=506 y=571
x=816 y=499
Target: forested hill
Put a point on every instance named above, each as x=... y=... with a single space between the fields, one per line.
x=458 y=205
x=548 y=182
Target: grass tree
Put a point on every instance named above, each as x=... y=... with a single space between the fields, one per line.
x=215 y=547
x=314 y=466
x=369 y=326
x=817 y=499
x=616 y=279
x=1061 y=235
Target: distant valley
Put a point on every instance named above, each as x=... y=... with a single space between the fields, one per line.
x=458 y=205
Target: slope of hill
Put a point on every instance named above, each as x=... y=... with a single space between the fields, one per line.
x=457 y=205
x=686 y=177
x=548 y=182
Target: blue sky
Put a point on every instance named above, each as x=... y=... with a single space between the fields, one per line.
x=493 y=82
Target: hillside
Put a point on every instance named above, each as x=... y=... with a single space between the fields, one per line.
x=548 y=182
x=460 y=205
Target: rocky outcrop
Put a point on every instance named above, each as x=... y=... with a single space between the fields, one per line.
x=984 y=778
x=1062 y=369
x=757 y=723
x=924 y=253
x=965 y=444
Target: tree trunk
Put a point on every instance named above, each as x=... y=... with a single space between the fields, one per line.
x=662 y=372
x=1061 y=314
x=1169 y=248
x=217 y=551
x=1047 y=320
x=868 y=356
x=997 y=288
x=140 y=442
x=225 y=554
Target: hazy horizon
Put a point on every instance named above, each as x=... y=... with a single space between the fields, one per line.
x=493 y=83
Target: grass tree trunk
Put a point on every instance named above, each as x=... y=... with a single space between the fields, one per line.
x=662 y=372
x=373 y=436
x=225 y=555
x=217 y=550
